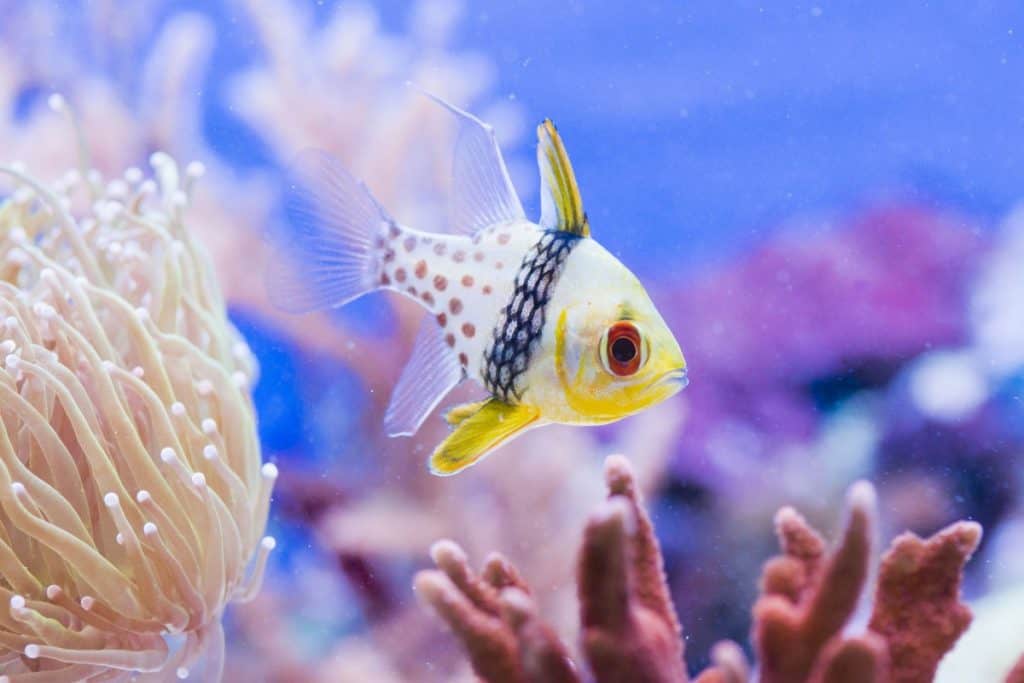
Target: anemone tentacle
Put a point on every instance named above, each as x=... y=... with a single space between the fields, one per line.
x=133 y=498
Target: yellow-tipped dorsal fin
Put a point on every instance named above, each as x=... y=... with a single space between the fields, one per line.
x=480 y=428
x=561 y=205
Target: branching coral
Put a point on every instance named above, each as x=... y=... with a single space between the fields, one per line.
x=630 y=631
x=132 y=497
x=808 y=594
x=1017 y=674
x=917 y=602
x=350 y=76
x=630 y=627
x=494 y=613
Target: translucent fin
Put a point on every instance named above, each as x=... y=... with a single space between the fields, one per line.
x=480 y=433
x=560 y=201
x=482 y=193
x=432 y=371
x=325 y=259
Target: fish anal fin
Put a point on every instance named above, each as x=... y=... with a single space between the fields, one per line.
x=432 y=371
x=477 y=434
x=561 y=204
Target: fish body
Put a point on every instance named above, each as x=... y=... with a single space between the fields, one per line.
x=552 y=325
x=461 y=281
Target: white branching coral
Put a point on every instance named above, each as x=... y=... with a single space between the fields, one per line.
x=132 y=496
x=350 y=77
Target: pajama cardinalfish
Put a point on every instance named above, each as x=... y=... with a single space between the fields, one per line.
x=553 y=326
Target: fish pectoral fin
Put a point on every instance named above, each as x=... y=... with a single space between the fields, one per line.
x=477 y=433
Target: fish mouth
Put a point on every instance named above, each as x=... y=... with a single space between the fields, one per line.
x=677 y=379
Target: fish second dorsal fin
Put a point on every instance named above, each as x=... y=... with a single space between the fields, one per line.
x=561 y=205
x=482 y=193
x=479 y=429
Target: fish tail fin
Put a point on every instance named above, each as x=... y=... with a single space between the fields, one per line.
x=330 y=252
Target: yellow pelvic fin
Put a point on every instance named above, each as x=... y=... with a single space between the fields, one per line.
x=480 y=428
x=457 y=414
x=561 y=204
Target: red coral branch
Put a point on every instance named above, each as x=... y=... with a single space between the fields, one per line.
x=1016 y=675
x=729 y=665
x=861 y=659
x=495 y=619
x=630 y=631
x=630 y=628
x=807 y=596
x=917 y=603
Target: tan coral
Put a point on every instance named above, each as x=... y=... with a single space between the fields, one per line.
x=132 y=496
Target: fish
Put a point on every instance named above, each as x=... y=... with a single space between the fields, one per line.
x=551 y=324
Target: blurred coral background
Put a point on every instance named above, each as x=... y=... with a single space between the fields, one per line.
x=821 y=200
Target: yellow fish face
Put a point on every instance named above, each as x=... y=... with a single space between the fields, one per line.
x=611 y=353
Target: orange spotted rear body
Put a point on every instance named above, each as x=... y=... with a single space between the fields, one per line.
x=461 y=281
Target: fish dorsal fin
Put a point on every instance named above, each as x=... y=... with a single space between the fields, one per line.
x=561 y=205
x=482 y=193
x=477 y=434
x=432 y=371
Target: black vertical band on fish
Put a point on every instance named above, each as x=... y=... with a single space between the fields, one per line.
x=518 y=331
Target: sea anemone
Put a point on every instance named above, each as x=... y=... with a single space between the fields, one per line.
x=132 y=496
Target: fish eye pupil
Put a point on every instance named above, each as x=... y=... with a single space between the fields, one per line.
x=623 y=350
x=620 y=351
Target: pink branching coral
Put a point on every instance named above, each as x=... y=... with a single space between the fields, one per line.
x=350 y=75
x=807 y=595
x=494 y=614
x=1017 y=674
x=629 y=627
x=629 y=624
x=917 y=601
x=132 y=497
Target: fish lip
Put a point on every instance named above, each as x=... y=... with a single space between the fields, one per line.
x=677 y=376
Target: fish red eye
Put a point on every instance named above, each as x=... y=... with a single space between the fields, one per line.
x=622 y=350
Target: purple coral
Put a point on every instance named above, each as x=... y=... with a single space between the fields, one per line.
x=853 y=301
